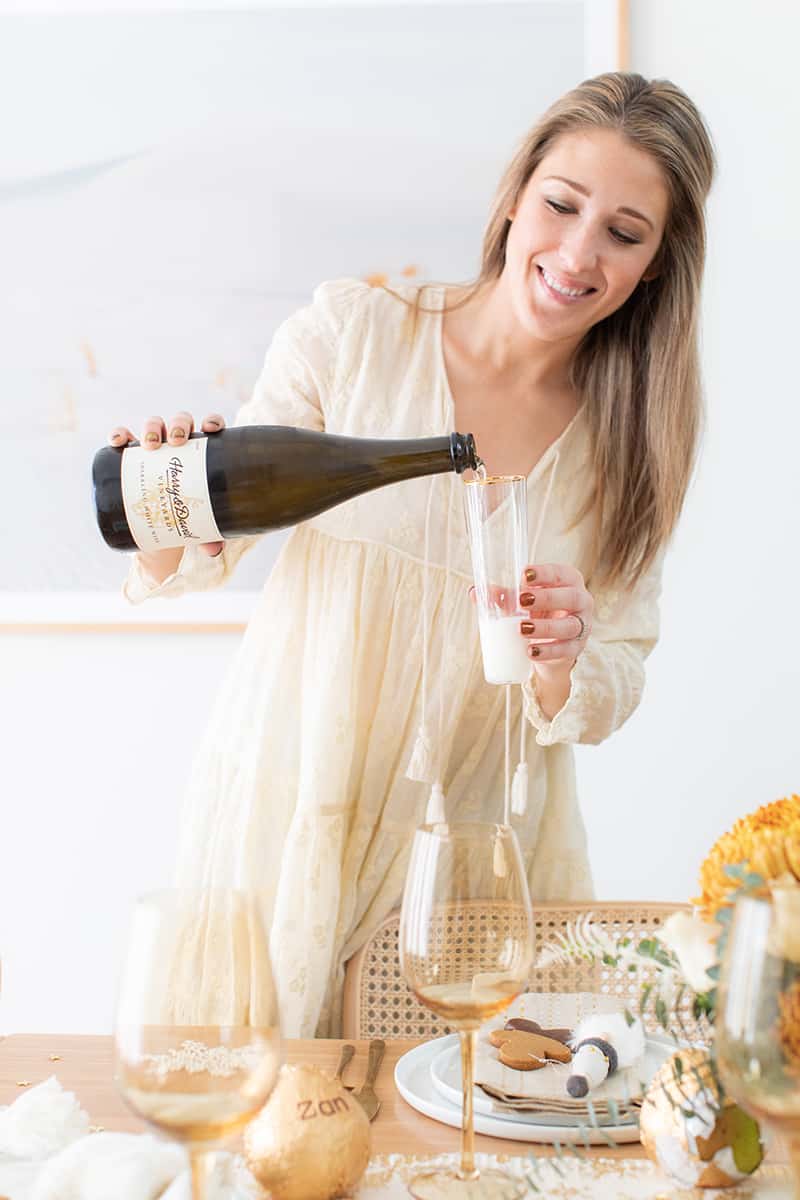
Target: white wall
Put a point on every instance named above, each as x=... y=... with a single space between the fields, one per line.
x=90 y=789
x=717 y=732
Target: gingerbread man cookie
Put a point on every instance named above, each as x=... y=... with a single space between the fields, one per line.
x=525 y=1051
x=560 y=1035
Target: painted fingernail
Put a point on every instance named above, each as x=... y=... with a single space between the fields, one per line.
x=527 y=627
x=211 y=421
x=177 y=432
x=152 y=437
x=534 y=651
x=527 y=599
x=530 y=575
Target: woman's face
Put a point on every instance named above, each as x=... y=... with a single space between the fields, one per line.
x=583 y=233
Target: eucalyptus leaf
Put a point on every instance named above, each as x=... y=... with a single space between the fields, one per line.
x=661 y=1012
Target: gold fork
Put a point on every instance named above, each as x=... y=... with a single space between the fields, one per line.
x=366 y=1093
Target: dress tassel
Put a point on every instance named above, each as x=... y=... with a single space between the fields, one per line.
x=434 y=813
x=519 y=790
x=421 y=762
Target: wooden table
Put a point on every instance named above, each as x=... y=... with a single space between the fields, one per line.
x=84 y=1066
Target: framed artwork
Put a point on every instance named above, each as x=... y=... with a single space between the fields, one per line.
x=178 y=180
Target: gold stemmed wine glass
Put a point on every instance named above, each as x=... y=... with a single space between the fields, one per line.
x=757 y=1024
x=466 y=950
x=197 y=1040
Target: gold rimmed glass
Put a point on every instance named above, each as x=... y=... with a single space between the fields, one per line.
x=197 y=1040
x=466 y=951
x=757 y=1024
x=496 y=509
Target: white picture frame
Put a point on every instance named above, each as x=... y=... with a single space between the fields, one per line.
x=74 y=360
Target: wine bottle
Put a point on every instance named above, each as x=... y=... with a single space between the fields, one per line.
x=250 y=478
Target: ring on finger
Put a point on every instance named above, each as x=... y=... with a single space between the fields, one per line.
x=582 y=632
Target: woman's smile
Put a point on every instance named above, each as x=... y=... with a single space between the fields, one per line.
x=561 y=290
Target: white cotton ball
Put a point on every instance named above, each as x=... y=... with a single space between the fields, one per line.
x=42 y=1121
x=627 y=1040
x=105 y=1165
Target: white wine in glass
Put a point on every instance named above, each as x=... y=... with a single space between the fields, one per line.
x=757 y=1024
x=197 y=1038
x=466 y=951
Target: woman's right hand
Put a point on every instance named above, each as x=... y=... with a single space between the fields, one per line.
x=176 y=433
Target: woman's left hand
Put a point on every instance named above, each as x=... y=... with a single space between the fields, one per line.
x=560 y=613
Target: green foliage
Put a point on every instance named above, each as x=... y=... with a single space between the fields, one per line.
x=661 y=1013
x=746 y=1142
x=747 y=880
x=652 y=948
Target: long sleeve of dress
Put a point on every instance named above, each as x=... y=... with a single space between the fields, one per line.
x=608 y=678
x=292 y=389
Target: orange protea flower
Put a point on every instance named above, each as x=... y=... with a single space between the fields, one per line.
x=768 y=840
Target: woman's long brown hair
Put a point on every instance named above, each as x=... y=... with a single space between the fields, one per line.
x=637 y=372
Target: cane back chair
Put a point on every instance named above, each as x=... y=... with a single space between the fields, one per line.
x=378 y=1002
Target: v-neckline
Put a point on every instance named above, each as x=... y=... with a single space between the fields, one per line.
x=449 y=417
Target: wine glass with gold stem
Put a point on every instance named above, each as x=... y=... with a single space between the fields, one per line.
x=197 y=1040
x=466 y=951
x=757 y=1024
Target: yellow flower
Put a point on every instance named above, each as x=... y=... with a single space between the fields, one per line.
x=768 y=841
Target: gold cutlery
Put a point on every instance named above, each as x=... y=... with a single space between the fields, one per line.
x=366 y=1093
x=344 y=1058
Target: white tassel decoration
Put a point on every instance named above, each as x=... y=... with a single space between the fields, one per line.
x=499 y=859
x=434 y=813
x=519 y=790
x=420 y=765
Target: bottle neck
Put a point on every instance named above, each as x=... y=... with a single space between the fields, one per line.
x=463 y=453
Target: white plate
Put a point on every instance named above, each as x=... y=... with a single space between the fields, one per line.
x=412 y=1077
x=446 y=1078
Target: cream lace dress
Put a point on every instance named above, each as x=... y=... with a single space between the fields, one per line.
x=299 y=787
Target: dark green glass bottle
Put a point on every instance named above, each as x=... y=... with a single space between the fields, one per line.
x=249 y=479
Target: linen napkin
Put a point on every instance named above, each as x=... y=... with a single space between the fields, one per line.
x=47 y=1152
x=544 y=1091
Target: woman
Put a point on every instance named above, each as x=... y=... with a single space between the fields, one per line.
x=573 y=360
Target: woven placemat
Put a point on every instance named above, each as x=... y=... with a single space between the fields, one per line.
x=387 y=1178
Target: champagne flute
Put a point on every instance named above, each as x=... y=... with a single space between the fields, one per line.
x=757 y=1025
x=466 y=950
x=197 y=1041
x=496 y=509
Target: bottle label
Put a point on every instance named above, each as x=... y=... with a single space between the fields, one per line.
x=166 y=498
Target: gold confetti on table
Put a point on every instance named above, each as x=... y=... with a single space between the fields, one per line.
x=55 y=1058
x=23 y=1083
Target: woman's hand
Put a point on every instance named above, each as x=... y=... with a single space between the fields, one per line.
x=176 y=433
x=560 y=616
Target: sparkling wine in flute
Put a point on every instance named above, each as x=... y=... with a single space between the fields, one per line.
x=249 y=479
